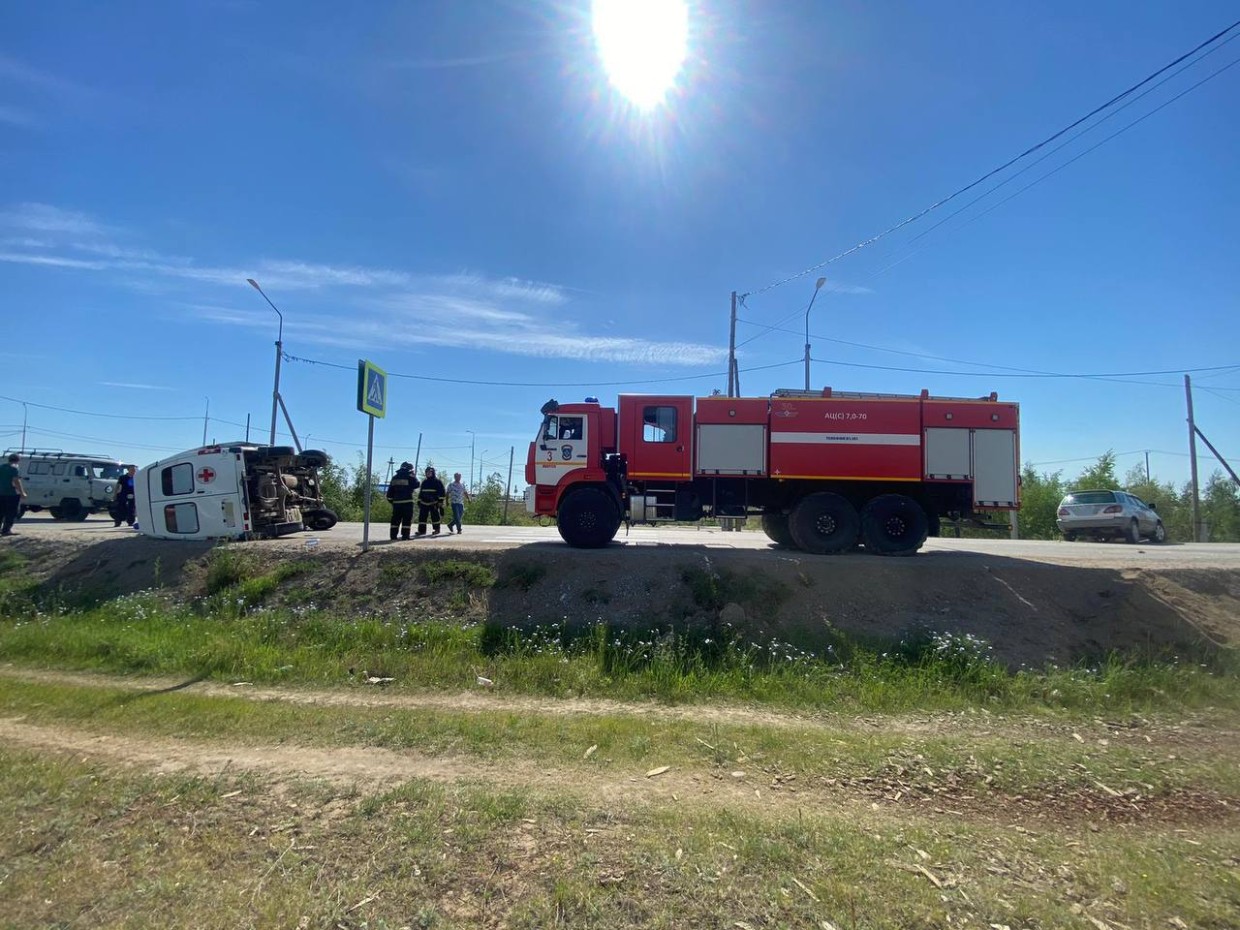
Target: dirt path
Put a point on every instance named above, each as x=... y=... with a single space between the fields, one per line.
x=748 y=787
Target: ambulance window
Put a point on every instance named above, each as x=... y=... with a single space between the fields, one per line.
x=105 y=471
x=58 y=469
x=659 y=424
x=177 y=479
x=38 y=468
x=570 y=427
x=550 y=428
x=79 y=471
x=181 y=518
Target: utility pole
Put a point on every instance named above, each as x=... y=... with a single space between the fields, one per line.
x=733 y=387
x=1147 y=466
x=25 y=410
x=508 y=490
x=206 y=416
x=1192 y=459
x=417 y=455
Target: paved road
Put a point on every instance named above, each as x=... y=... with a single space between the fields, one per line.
x=1108 y=555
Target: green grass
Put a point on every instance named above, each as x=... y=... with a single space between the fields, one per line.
x=471 y=574
x=985 y=758
x=229 y=636
x=233 y=850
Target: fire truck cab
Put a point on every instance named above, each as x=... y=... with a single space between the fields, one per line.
x=827 y=471
x=232 y=491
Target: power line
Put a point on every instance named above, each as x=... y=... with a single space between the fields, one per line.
x=1037 y=161
x=934 y=206
x=541 y=384
x=88 y=413
x=996 y=374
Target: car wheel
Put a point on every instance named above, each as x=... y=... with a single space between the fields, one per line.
x=1160 y=533
x=1132 y=532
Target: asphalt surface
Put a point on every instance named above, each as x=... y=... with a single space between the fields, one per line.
x=1106 y=554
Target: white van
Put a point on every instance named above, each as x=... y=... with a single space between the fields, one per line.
x=232 y=491
x=69 y=485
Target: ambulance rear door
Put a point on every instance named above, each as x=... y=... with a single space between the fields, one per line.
x=196 y=495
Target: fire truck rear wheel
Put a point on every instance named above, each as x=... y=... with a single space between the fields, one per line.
x=588 y=519
x=775 y=525
x=892 y=524
x=823 y=523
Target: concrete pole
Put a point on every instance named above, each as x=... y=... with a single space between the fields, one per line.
x=1192 y=459
x=733 y=387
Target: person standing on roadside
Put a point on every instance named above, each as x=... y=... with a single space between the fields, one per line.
x=125 y=498
x=458 y=494
x=400 y=492
x=11 y=494
x=430 y=502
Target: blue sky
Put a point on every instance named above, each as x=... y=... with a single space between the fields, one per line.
x=456 y=191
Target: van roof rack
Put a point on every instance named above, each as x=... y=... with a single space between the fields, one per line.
x=61 y=453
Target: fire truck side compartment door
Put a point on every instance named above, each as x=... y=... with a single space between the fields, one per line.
x=947 y=453
x=994 y=468
x=731 y=449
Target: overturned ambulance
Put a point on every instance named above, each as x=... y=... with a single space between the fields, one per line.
x=233 y=490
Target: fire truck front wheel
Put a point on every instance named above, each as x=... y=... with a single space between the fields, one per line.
x=588 y=519
x=823 y=523
x=893 y=524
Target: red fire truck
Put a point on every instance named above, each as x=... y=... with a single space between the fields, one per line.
x=826 y=470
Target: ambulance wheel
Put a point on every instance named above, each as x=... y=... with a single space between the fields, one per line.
x=313 y=458
x=892 y=524
x=775 y=525
x=588 y=519
x=823 y=523
x=320 y=520
x=55 y=512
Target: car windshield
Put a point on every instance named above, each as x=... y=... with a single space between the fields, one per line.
x=105 y=471
x=1090 y=497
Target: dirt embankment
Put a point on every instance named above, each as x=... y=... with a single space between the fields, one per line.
x=1032 y=613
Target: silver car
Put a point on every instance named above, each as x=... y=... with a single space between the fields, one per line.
x=1101 y=514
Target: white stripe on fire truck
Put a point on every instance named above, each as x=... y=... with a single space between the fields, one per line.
x=848 y=439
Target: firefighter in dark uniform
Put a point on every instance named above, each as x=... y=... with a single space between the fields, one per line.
x=400 y=493
x=123 y=506
x=430 y=502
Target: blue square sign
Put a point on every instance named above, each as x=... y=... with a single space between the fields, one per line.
x=371 y=388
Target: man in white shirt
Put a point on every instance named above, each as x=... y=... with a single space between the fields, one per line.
x=457 y=496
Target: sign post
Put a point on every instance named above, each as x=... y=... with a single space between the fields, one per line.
x=372 y=401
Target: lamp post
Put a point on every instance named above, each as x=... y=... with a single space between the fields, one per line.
x=275 y=393
x=481 y=462
x=473 y=437
x=817 y=288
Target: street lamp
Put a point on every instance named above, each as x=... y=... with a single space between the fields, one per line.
x=275 y=393
x=817 y=288
x=473 y=437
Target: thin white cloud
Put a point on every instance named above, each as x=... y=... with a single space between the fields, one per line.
x=136 y=387
x=372 y=306
x=466 y=61
x=45 y=218
x=54 y=261
x=18 y=72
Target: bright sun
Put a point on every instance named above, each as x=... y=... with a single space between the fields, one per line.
x=642 y=44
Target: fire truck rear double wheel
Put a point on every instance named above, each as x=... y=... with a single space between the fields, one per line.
x=893 y=524
x=588 y=519
x=823 y=523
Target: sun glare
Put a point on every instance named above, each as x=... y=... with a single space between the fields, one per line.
x=642 y=44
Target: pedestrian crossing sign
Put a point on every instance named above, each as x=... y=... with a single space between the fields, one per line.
x=371 y=388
